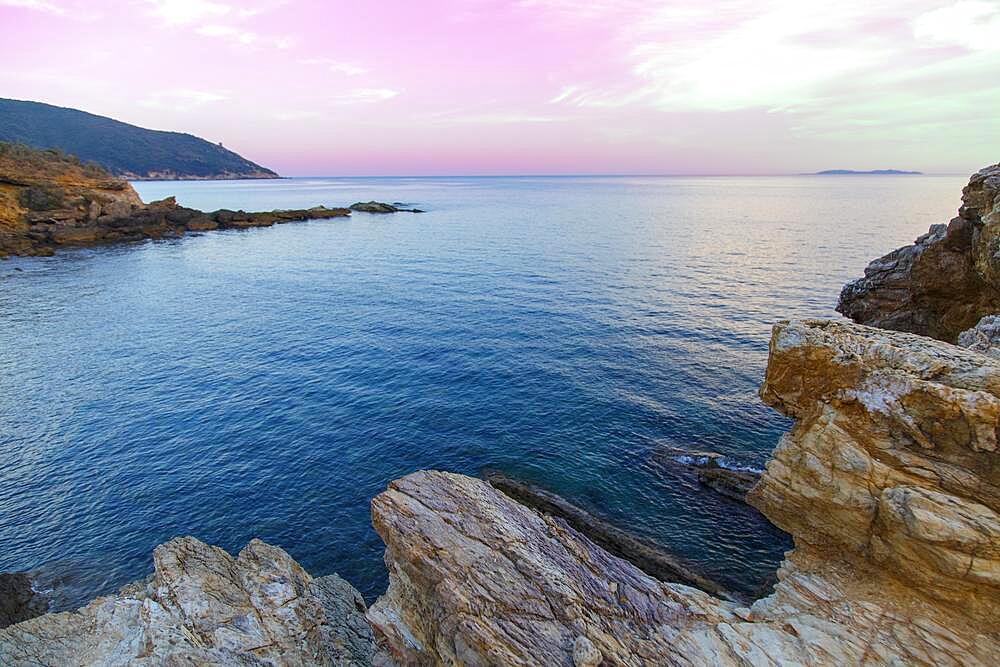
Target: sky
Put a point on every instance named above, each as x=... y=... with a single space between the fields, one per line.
x=444 y=87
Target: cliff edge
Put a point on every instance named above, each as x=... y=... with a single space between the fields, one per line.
x=946 y=281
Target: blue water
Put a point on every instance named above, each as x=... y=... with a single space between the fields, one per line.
x=268 y=383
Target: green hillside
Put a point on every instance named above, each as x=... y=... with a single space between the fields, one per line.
x=123 y=149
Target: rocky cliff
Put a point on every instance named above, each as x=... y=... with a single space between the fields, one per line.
x=204 y=607
x=888 y=483
x=946 y=281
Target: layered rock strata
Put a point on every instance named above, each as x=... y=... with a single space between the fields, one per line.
x=888 y=484
x=204 y=607
x=946 y=281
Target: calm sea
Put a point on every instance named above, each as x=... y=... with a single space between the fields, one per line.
x=574 y=332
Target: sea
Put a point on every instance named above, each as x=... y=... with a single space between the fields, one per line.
x=585 y=334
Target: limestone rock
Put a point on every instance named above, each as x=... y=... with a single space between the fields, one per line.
x=943 y=283
x=888 y=484
x=202 y=606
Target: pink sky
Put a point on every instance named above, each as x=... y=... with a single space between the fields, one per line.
x=530 y=86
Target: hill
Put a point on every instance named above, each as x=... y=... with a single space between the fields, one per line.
x=871 y=172
x=124 y=150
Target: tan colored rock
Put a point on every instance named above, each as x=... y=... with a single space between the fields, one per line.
x=888 y=483
x=204 y=607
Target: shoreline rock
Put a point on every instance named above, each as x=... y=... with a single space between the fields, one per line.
x=18 y=599
x=381 y=207
x=203 y=606
x=648 y=557
x=50 y=201
x=887 y=483
x=946 y=281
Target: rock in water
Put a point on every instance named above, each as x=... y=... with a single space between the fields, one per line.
x=18 y=600
x=204 y=607
x=943 y=283
x=381 y=207
x=888 y=484
x=733 y=484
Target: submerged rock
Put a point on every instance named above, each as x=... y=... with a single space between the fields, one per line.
x=18 y=599
x=946 y=281
x=887 y=483
x=733 y=484
x=204 y=607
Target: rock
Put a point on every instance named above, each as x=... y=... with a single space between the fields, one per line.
x=202 y=606
x=946 y=281
x=887 y=483
x=373 y=207
x=381 y=207
x=48 y=200
x=647 y=556
x=18 y=600
x=734 y=484
x=984 y=337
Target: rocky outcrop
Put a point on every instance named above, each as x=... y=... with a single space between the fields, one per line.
x=381 y=207
x=18 y=599
x=888 y=484
x=946 y=281
x=733 y=484
x=204 y=607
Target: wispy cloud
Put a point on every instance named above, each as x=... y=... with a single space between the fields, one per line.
x=228 y=32
x=336 y=66
x=365 y=95
x=36 y=5
x=185 y=12
x=971 y=24
x=181 y=99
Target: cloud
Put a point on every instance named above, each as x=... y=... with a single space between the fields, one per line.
x=971 y=24
x=185 y=12
x=336 y=66
x=36 y=5
x=181 y=99
x=228 y=32
x=365 y=95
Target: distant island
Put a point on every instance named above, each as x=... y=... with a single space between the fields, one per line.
x=124 y=150
x=870 y=172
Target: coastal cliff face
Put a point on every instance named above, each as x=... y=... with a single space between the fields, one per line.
x=946 y=281
x=887 y=482
x=48 y=198
x=204 y=607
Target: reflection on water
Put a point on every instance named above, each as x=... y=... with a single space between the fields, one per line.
x=270 y=382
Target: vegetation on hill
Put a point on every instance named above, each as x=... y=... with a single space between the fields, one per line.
x=123 y=149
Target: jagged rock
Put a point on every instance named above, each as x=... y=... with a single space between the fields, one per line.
x=945 y=282
x=984 y=337
x=204 y=607
x=18 y=600
x=888 y=484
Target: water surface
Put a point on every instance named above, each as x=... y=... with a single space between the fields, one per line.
x=268 y=383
